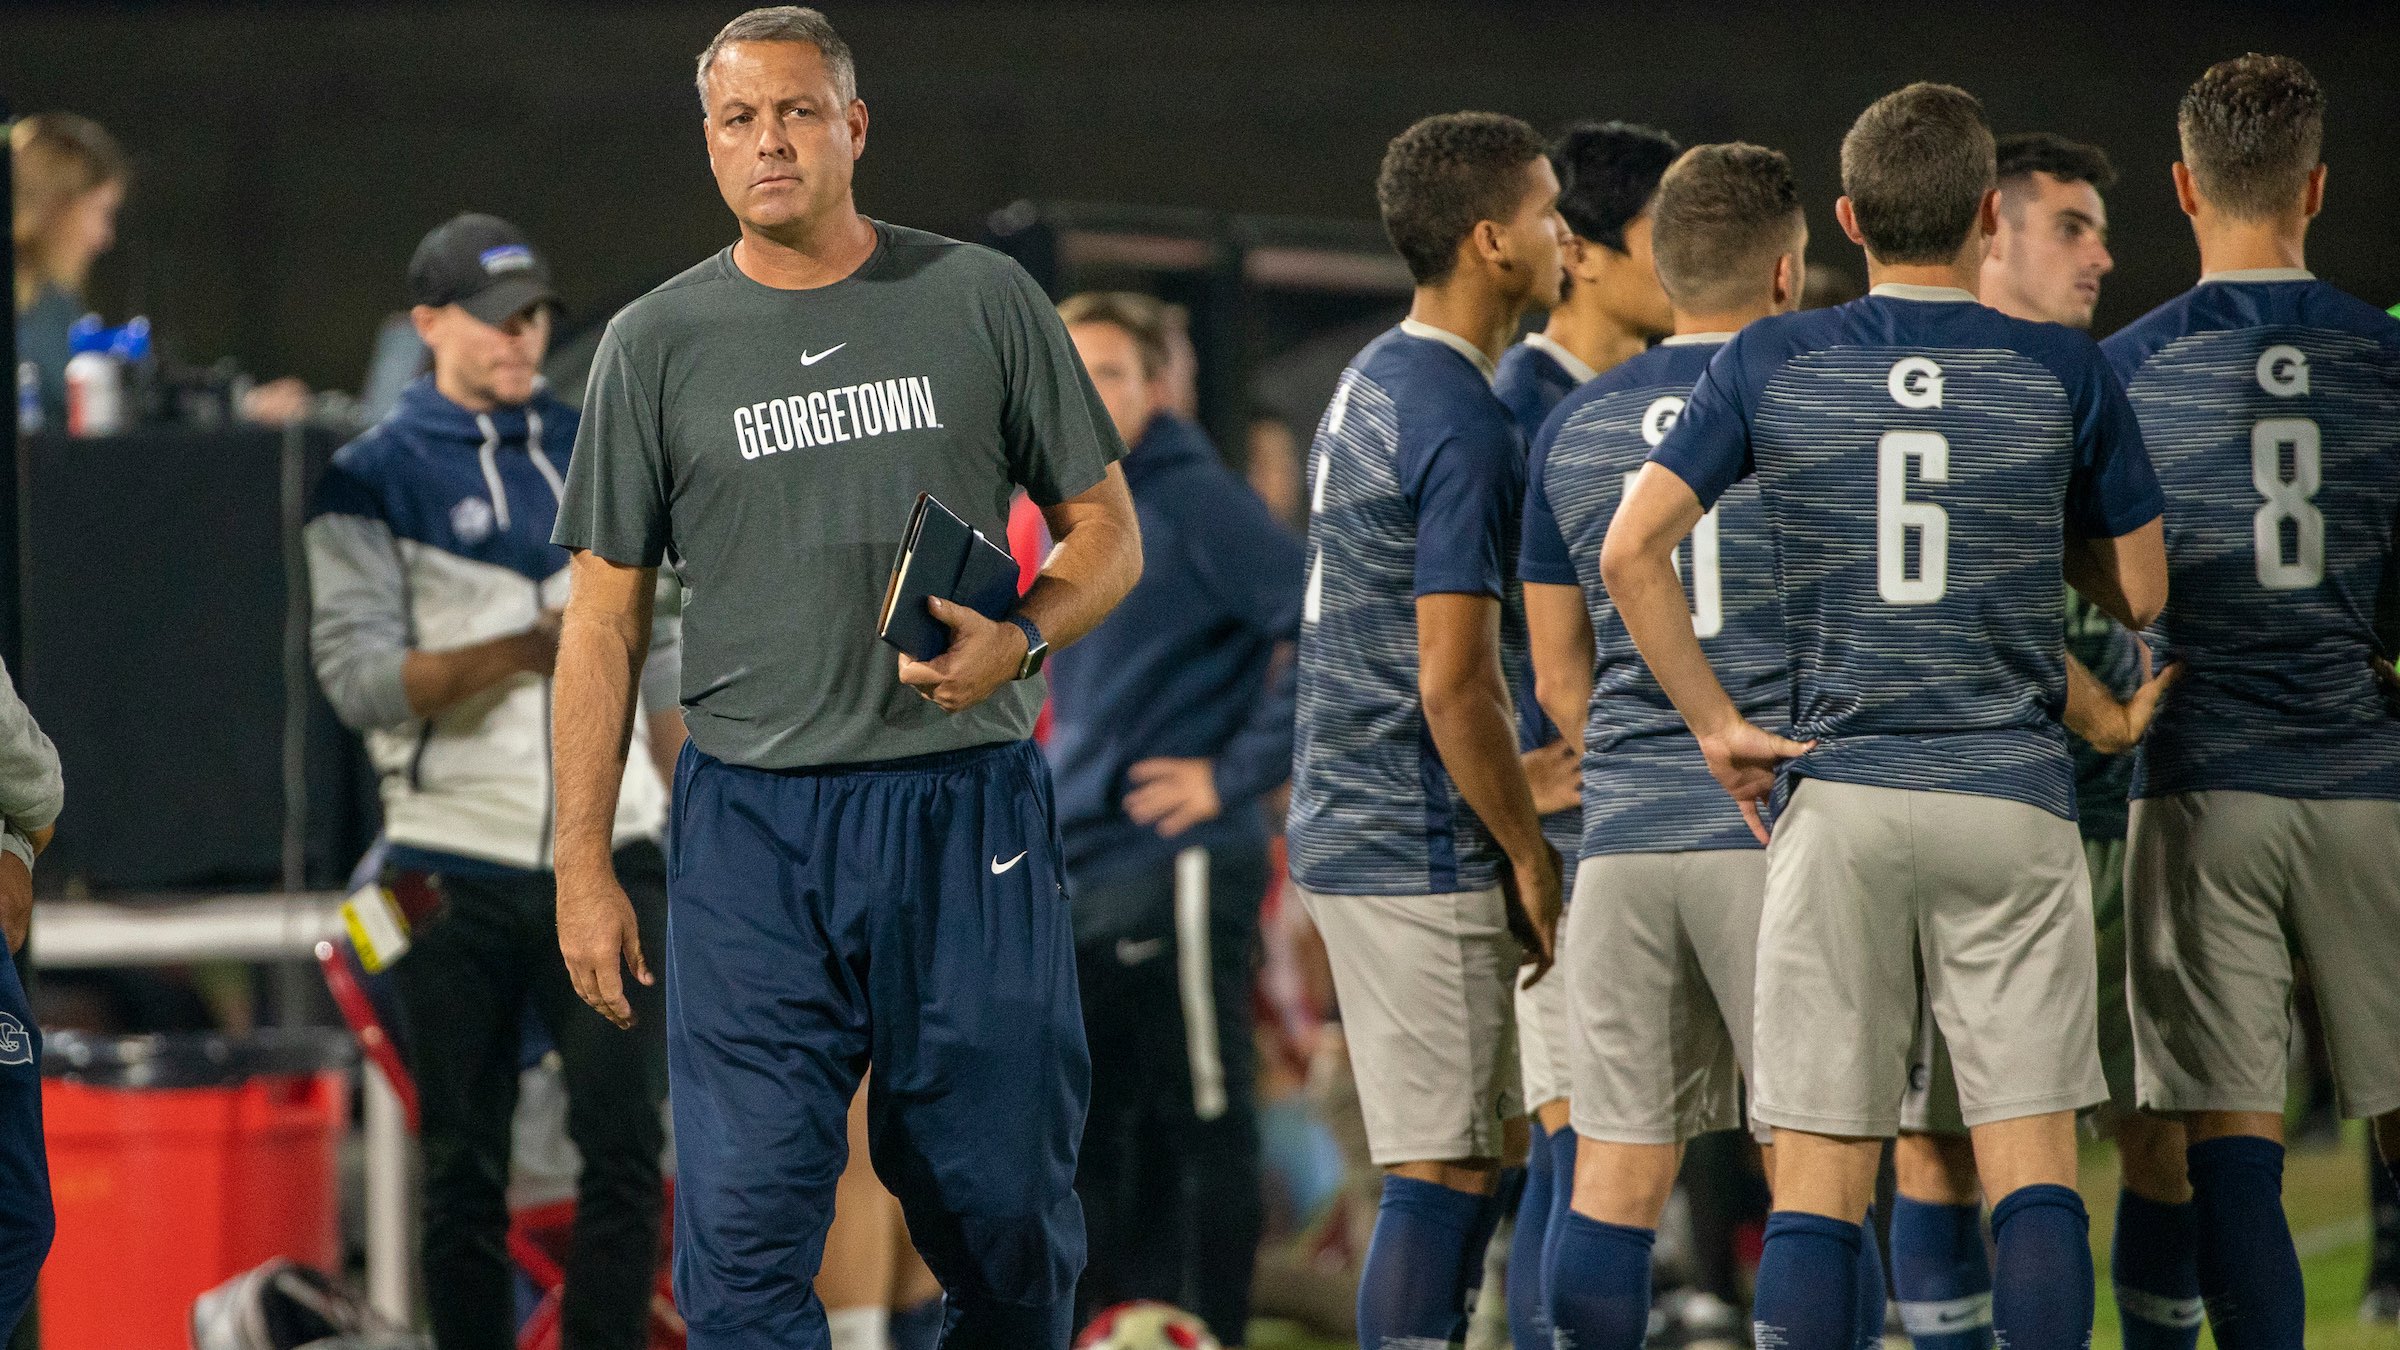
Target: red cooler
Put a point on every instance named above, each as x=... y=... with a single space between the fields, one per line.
x=177 y=1162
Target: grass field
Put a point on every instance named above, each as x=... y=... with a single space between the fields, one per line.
x=2324 y=1193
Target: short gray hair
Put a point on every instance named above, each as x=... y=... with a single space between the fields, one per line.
x=785 y=23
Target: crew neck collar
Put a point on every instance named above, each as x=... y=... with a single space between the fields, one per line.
x=1568 y=361
x=2257 y=275
x=1946 y=295
x=1454 y=342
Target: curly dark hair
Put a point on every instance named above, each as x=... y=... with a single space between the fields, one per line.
x=1915 y=167
x=2031 y=152
x=2253 y=129
x=1607 y=173
x=1444 y=174
x=1723 y=214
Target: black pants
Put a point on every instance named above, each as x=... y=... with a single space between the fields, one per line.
x=463 y=986
x=1169 y=1173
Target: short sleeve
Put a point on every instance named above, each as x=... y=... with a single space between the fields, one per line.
x=1709 y=446
x=1059 y=437
x=2113 y=490
x=1469 y=485
x=617 y=480
x=1542 y=555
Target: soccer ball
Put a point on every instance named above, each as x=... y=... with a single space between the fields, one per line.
x=1146 y=1325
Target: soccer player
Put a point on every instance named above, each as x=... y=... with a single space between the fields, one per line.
x=864 y=859
x=1661 y=938
x=2046 y=263
x=1413 y=834
x=2267 y=797
x=1928 y=468
x=1609 y=308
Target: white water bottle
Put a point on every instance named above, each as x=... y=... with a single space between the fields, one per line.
x=95 y=395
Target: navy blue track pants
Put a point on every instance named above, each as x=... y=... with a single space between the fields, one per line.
x=911 y=915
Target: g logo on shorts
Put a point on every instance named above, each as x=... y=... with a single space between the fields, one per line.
x=15 y=1046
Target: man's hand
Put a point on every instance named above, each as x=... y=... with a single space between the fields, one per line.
x=41 y=838
x=596 y=932
x=16 y=900
x=537 y=647
x=1534 y=893
x=2132 y=721
x=1555 y=773
x=984 y=654
x=1172 y=795
x=1744 y=760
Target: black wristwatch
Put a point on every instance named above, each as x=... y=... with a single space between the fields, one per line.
x=1037 y=649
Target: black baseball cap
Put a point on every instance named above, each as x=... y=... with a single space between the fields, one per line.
x=483 y=265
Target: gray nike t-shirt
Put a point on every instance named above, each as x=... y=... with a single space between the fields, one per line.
x=771 y=444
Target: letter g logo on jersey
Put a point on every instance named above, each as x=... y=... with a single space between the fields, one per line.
x=2283 y=371
x=15 y=1046
x=1659 y=419
x=1915 y=382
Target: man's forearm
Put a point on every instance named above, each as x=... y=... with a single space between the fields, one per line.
x=1650 y=599
x=599 y=660
x=1475 y=732
x=436 y=682
x=1560 y=629
x=1087 y=574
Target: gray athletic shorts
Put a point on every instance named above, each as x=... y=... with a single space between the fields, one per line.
x=1988 y=897
x=1426 y=986
x=1543 y=1032
x=1931 y=1106
x=2223 y=886
x=1662 y=960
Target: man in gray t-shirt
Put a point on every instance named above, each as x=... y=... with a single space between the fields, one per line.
x=863 y=860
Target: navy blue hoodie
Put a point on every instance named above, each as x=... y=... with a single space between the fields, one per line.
x=1181 y=668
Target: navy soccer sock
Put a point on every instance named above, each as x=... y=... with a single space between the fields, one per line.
x=1599 y=1281
x=1422 y=1264
x=2154 y=1261
x=1528 y=1308
x=2042 y=1285
x=1872 y=1295
x=2249 y=1272
x=1562 y=1166
x=1942 y=1275
x=1807 y=1283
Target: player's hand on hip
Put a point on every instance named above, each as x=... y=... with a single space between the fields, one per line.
x=1555 y=773
x=600 y=940
x=1744 y=759
x=984 y=654
x=1172 y=795
x=2143 y=706
x=1534 y=891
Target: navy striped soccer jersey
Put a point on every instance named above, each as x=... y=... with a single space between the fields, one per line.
x=1416 y=482
x=1533 y=376
x=2271 y=405
x=1922 y=460
x=1646 y=788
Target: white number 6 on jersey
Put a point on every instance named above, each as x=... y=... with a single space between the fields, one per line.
x=1896 y=515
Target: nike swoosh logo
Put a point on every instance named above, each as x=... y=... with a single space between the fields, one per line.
x=998 y=866
x=1132 y=953
x=811 y=358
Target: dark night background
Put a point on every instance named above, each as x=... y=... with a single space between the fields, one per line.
x=289 y=157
